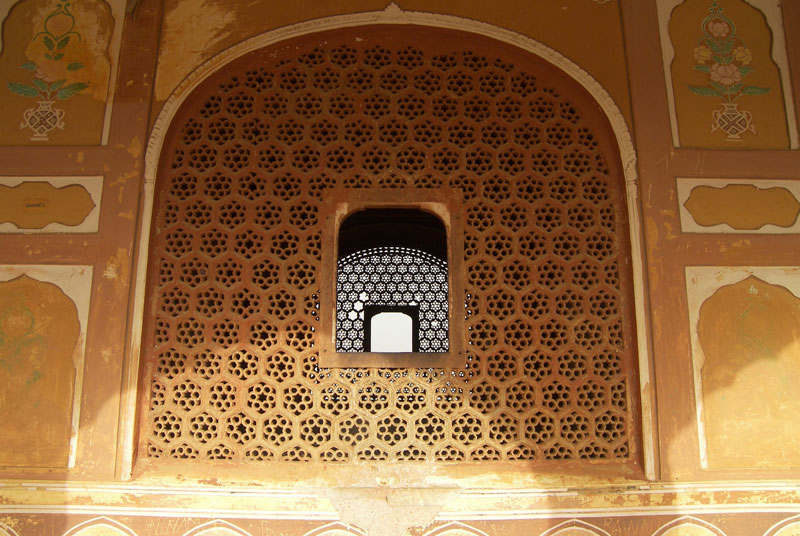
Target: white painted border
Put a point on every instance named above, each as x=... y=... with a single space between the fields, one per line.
x=391 y=15
x=771 y=10
x=689 y=225
x=114 y=49
x=444 y=516
x=75 y=282
x=93 y=185
x=701 y=283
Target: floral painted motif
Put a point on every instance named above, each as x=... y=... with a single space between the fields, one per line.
x=56 y=34
x=724 y=57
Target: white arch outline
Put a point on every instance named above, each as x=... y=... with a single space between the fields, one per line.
x=782 y=524
x=331 y=528
x=455 y=525
x=8 y=530
x=99 y=522
x=689 y=520
x=217 y=524
x=575 y=524
x=391 y=15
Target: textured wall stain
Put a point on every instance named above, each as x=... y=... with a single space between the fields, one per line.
x=190 y=29
x=750 y=336
x=121 y=181
x=135 y=147
x=742 y=206
x=118 y=267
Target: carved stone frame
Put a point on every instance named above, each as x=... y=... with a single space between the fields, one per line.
x=338 y=203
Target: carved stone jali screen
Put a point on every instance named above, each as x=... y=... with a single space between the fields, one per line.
x=230 y=362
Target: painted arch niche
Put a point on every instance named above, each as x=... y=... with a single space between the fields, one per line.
x=57 y=60
x=234 y=268
x=726 y=85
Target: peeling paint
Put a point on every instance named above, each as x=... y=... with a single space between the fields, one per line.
x=118 y=267
x=190 y=29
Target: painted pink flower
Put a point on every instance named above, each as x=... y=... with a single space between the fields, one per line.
x=727 y=75
x=718 y=28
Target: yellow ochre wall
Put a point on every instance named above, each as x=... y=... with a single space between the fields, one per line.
x=719 y=293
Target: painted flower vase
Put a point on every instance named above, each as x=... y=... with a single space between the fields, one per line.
x=732 y=121
x=42 y=119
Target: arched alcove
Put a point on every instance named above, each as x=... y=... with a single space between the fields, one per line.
x=498 y=169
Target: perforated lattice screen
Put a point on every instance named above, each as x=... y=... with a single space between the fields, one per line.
x=391 y=276
x=235 y=260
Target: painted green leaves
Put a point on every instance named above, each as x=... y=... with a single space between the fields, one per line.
x=41 y=89
x=56 y=35
x=723 y=56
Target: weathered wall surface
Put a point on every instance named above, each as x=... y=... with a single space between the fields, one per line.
x=719 y=213
x=194 y=31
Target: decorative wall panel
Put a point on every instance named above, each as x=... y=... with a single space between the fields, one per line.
x=50 y=204
x=727 y=74
x=744 y=324
x=739 y=206
x=43 y=316
x=57 y=62
x=232 y=365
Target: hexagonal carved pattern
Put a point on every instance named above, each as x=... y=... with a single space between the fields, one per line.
x=235 y=262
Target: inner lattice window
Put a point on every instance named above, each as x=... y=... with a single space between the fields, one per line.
x=377 y=281
x=392 y=289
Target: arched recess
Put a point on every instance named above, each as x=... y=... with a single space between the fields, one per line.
x=217 y=527
x=455 y=528
x=100 y=526
x=394 y=16
x=688 y=525
x=335 y=529
x=575 y=527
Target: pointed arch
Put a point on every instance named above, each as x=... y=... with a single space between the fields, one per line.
x=217 y=527
x=5 y=530
x=100 y=526
x=785 y=527
x=575 y=527
x=455 y=528
x=336 y=529
x=680 y=525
